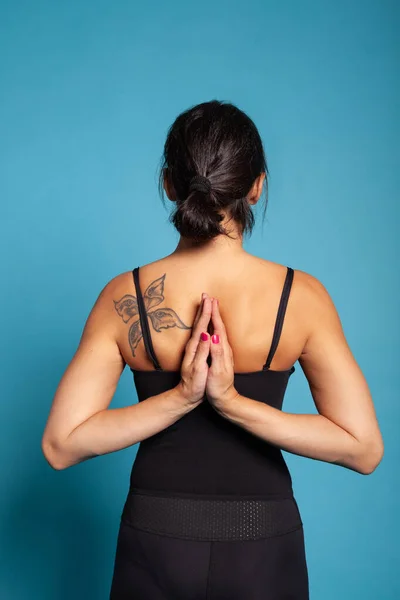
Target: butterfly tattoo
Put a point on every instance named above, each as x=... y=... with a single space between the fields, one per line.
x=161 y=318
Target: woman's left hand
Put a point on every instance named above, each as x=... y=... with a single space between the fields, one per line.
x=220 y=379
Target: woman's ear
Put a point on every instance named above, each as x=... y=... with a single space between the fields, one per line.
x=256 y=189
x=168 y=187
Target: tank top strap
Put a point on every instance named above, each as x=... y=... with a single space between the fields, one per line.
x=280 y=316
x=144 y=322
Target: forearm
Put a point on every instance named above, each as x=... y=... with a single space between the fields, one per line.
x=114 y=429
x=310 y=435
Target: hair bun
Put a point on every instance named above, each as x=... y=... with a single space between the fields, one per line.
x=197 y=216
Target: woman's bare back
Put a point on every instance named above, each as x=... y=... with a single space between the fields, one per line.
x=248 y=289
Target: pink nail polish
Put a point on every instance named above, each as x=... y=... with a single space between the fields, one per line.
x=204 y=337
x=215 y=339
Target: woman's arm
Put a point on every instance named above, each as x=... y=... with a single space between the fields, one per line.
x=80 y=425
x=345 y=431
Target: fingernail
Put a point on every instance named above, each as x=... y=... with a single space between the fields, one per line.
x=204 y=337
x=203 y=295
x=215 y=339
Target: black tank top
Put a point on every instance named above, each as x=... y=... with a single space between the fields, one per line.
x=204 y=454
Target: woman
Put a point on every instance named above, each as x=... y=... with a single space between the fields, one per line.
x=211 y=334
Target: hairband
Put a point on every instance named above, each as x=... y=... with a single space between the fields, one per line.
x=199 y=183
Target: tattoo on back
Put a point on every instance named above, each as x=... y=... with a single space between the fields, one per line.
x=161 y=318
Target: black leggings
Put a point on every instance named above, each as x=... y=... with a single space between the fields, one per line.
x=149 y=566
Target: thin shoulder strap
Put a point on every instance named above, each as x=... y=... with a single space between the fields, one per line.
x=144 y=322
x=280 y=316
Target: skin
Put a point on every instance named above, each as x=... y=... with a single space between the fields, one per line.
x=81 y=424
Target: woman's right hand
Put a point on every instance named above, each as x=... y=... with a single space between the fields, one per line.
x=194 y=369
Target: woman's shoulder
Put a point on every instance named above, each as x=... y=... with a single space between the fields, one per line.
x=308 y=294
x=305 y=281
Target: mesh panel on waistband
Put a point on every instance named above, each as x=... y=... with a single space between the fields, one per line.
x=212 y=520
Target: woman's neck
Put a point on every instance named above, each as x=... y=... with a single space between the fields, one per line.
x=221 y=244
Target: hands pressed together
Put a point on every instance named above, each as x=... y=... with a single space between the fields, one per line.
x=197 y=377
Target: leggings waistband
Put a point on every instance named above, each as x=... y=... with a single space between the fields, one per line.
x=211 y=520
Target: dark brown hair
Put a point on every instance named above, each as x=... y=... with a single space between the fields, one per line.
x=217 y=141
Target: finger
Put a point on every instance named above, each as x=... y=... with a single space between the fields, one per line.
x=204 y=318
x=203 y=350
x=218 y=324
x=219 y=328
x=199 y=309
x=201 y=326
x=217 y=353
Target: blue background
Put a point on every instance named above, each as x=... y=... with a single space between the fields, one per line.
x=88 y=90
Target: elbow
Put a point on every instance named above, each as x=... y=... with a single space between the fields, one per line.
x=370 y=457
x=54 y=455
